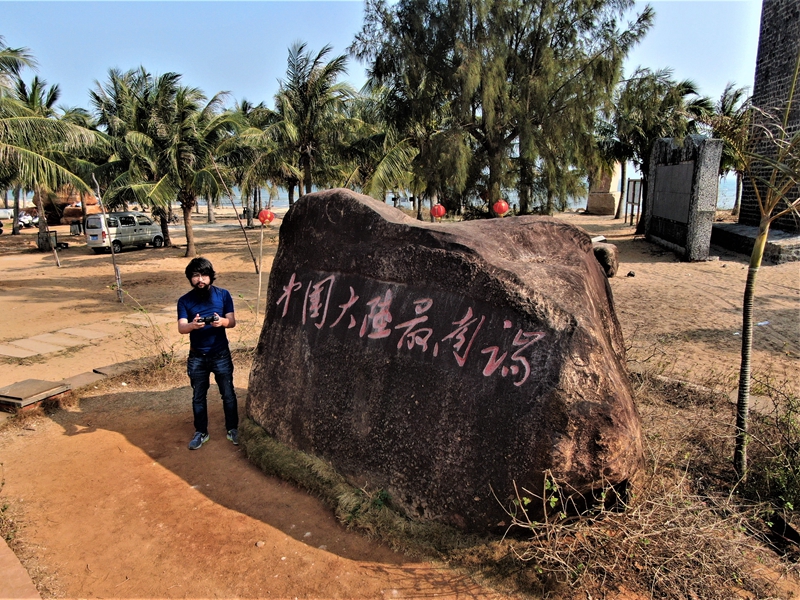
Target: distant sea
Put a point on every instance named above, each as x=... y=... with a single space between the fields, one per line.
x=725 y=197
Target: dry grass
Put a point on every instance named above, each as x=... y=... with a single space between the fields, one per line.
x=681 y=533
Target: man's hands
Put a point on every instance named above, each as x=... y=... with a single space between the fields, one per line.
x=199 y=323
x=226 y=322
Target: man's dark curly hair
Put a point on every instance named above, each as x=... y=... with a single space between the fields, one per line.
x=202 y=266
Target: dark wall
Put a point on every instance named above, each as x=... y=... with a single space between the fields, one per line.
x=778 y=45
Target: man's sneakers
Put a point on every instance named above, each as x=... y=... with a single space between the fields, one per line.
x=199 y=439
x=233 y=435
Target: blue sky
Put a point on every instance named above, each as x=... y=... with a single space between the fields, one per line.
x=241 y=47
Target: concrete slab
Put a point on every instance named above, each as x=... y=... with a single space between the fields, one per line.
x=111 y=326
x=37 y=346
x=141 y=320
x=30 y=391
x=83 y=379
x=121 y=368
x=781 y=246
x=15 y=351
x=14 y=579
x=89 y=334
x=68 y=341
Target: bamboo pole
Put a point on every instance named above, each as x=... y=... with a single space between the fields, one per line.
x=117 y=275
x=238 y=218
x=260 y=257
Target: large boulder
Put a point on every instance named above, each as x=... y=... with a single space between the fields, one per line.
x=444 y=363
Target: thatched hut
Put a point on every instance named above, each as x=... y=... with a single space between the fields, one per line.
x=67 y=205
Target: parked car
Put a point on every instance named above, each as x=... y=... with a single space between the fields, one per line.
x=121 y=229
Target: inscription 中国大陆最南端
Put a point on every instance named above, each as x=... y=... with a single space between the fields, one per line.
x=431 y=323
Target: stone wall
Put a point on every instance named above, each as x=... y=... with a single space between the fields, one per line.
x=778 y=45
x=683 y=194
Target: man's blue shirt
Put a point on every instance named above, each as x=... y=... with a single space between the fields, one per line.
x=208 y=340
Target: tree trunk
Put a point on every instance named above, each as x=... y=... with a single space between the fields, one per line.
x=524 y=194
x=290 y=189
x=83 y=212
x=305 y=162
x=187 y=205
x=495 y=169
x=15 y=224
x=164 y=223
x=43 y=238
x=642 y=207
x=549 y=208
x=212 y=218
x=743 y=398
x=251 y=204
x=419 y=208
x=258 y=193
x=5 y=199
x=737 y=202
x=623 y=196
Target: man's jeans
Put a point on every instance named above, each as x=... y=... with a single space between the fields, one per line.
x=199 y=369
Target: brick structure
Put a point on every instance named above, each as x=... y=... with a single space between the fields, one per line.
x=778 y=45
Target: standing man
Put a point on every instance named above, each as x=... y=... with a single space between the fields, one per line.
x=205 y=313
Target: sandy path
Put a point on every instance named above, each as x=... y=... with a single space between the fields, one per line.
x=119 y=508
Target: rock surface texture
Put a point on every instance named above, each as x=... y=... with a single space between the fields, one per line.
x=445 y=363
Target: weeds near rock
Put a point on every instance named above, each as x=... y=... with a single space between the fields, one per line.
x=775 y=447
x=151 y=337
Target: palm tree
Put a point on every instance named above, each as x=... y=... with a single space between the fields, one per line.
x=38 y=98
x=12 y=61
x=731 y=121
x=311 y=103
x=134 y=109
x=41 y=102
x=34 y=152
x=262 y=153
x=615 y=143
x=196 y=132
x=379 y=156
x=655 y=106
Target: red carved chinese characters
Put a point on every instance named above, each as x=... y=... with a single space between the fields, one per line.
x=288 y=289
x=345 y=307
x=313 y=302
x=459 y=334
x=420 y=336
x=376 y=318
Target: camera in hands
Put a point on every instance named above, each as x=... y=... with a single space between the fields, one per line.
x=208 y=320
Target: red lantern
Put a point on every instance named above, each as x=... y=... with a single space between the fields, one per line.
x=266 y=216
x=500 y=207
x=437 y=211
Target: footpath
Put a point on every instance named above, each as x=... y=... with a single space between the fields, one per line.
x=43 y=350
x=30 y=391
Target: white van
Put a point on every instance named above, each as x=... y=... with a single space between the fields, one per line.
x=122 y=229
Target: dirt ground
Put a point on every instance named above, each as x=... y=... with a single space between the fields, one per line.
x=109 y=503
